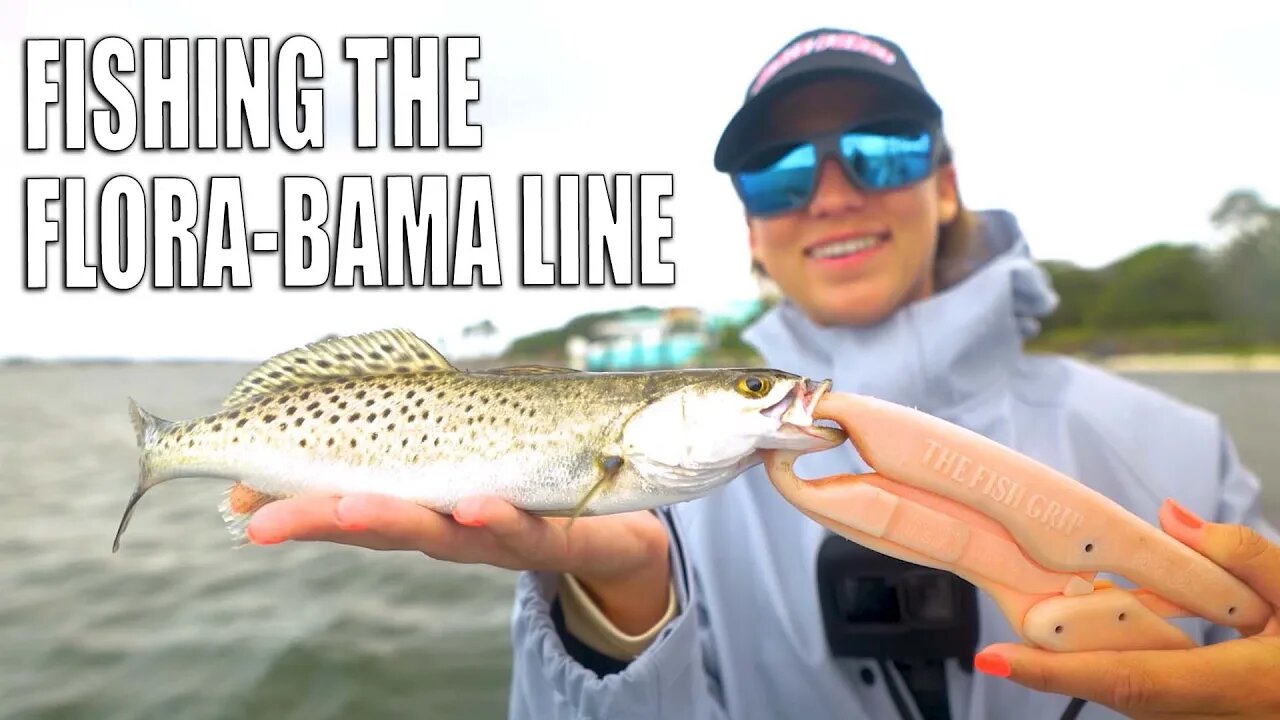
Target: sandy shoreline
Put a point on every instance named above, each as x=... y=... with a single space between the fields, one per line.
x=1191 y=363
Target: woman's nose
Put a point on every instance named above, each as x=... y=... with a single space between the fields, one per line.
x=834 y=194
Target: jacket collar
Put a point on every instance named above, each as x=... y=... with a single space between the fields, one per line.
x=937 y=354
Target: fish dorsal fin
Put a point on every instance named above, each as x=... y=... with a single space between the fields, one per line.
x=384 y=352
x=528 y=370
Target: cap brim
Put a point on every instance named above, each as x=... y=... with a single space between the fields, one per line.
x=736 y=141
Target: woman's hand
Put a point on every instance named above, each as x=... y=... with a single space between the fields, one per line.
x=621 y=560
x=1233 y=679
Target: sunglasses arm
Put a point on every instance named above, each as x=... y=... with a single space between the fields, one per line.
x=1028 y=536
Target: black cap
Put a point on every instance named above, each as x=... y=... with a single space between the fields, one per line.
x=813 y=54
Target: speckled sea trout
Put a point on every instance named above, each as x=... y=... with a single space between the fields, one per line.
x=384 y=412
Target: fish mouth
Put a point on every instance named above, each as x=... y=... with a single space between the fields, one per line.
x=794 y=413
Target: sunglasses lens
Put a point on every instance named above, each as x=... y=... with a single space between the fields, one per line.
x=783 y=184
x=888 y=159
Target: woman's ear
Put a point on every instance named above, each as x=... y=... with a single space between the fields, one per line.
x=948 y=194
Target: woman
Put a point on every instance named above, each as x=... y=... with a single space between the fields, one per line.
x=893 y=289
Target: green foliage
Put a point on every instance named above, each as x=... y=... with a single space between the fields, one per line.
x=1173 y=298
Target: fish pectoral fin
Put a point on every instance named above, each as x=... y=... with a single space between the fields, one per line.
x=609 y=466
x=238 y=505
x=384 y=352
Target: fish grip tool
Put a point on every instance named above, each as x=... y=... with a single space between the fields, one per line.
x=1030 y=537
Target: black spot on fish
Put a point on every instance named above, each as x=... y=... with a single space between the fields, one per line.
x=401 y=369
x=269 y=417
x=317 y=414
x=404 y=442
x=372 y=417
x=386 y=412
x=471 y=420
x=356 y=356
x=240 y=423
x=303 y=361
x=191 y=443
x=387 y=394
x=235 y=439
x=313 y=406
x=333 y=418
x=391 y=427
x=257 y=381
x=292 y=410
x=324 y=364
x=348 y=385
x=404 y=409
x=354 y=417
x=302 y=442
x=437 y=442
x=284 y=426
x=440 y=394
x=297 y=423
x=333 y=398
x=342 y=405
x=439 y=419
x=469 y=407
x=217 y=427
x=234 y=414
x=275 y=375
x=353 y=442
x=360 y=395
x=417 y=403
x=329 y=443
x=374 y=436
x=375 y=356
x=412 y=418
x=411 y=393
x=422 y=355
x=415 y=459
x=502 y=401
x=369 y=402
x=342 y=356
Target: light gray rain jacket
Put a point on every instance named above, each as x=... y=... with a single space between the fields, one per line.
x=748 y=642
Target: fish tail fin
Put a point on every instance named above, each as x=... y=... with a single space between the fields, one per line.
x=145 y=426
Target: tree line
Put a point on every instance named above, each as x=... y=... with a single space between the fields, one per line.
x=1172 y=298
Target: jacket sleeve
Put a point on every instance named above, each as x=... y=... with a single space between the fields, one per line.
x=1239 y=503
x=555 y=677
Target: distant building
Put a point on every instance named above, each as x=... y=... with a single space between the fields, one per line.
x=653 y=339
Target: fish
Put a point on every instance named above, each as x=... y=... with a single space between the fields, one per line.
x=385 y=412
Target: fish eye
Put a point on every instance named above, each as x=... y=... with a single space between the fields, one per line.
x=753 y=386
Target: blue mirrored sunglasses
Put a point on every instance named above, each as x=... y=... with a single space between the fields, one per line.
x=876 y=156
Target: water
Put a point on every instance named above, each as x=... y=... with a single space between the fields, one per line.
x=178 y=625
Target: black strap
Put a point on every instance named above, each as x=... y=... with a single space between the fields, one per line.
x=927 y=681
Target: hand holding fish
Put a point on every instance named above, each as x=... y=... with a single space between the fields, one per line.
x=515 y=455
x=621 y=559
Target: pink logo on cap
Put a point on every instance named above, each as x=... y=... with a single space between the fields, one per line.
x=848 y=42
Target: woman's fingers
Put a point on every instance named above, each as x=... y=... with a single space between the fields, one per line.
x=1145 y=683
x=534 y=539
x=1238 y=549
x=370 y=521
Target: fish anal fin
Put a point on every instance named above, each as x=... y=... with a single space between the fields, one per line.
x=238 y=505
x=383 y=352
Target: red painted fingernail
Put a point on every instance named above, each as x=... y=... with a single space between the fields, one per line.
x=992 y=664
x=257 y=538
x=1185 y=516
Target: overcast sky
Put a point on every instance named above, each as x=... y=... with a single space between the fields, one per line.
x=1103 y=126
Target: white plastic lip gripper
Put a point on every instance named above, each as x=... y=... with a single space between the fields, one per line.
x=1027 y=535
